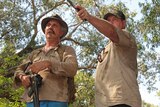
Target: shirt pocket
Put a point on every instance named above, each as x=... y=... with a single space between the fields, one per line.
x=55 y=56
x=37 y=59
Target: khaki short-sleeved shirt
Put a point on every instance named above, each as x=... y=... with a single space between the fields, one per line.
x=116 y=76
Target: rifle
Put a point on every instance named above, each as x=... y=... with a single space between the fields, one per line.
x=71 y=3
x=36 y=81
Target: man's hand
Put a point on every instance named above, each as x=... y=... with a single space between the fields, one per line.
x=82 y=13
x=25 y=79
x=38 y=66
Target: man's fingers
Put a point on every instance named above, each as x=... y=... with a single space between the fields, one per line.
x=78 y=7
x=38 y=66
x=26 y=81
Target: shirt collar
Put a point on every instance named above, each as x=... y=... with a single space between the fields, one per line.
x=52 y=47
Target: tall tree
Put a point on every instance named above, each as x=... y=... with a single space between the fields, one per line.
x=149 y=31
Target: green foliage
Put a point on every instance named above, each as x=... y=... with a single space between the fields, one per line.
x=85 y=90
x=9 y=59
x=14 y=29
x=145 y=104
x=150 y=22
x=10 y=96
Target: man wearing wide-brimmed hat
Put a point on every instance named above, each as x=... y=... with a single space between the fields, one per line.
x=116 y=73
x=55 y=63
x=63 y=24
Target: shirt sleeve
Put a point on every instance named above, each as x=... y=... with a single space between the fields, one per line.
x=68 y=66
x=20 y=71
x=125 y=38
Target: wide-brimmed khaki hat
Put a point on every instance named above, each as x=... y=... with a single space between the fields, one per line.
x=114 y=12
x=59 y=19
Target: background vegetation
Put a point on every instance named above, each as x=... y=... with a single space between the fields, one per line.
x=20 y=33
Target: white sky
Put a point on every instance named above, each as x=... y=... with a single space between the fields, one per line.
x=146 y=96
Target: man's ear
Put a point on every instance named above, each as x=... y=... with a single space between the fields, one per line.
x=62 y=32
x=124 y=24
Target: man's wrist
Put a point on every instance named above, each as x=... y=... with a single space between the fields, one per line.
x=89 y=17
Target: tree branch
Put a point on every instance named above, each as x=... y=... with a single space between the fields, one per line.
x=70 y=39
x=31 y=44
